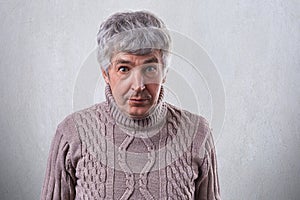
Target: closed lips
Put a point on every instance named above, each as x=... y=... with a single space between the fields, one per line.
x=139 y=99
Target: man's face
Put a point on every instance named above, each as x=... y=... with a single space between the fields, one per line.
x=135 y=82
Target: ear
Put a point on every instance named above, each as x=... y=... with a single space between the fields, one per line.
x=165 y=76
x=105 y=76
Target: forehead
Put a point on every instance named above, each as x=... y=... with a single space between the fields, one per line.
x=130 y=58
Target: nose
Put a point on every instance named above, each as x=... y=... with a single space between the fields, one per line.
x=138 y=83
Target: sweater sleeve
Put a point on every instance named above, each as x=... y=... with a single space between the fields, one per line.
x=207 y=184
x=60 y=180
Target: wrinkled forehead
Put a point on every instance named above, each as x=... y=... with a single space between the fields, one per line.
x=137 y=58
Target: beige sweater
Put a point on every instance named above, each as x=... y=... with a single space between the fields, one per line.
x=98 y=153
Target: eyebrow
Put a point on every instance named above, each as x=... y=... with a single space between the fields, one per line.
x=122 y=61
x=149 y=60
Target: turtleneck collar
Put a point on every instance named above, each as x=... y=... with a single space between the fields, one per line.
x=153 y=121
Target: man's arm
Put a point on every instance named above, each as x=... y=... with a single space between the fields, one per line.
x=207 y=185
x=60 y=178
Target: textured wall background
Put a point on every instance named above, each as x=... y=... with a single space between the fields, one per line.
x=254 y=44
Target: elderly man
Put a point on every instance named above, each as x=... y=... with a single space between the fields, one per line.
x=134 y=145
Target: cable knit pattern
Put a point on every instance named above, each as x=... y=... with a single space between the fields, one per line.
x=99 y=153
x=92 y=135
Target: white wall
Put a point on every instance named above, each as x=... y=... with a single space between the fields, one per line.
x=255 y=46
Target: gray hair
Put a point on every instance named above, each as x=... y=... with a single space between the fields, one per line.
x=139 y=33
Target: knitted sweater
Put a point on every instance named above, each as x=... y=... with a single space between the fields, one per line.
x=99 y=153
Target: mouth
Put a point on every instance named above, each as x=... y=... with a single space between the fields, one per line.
x=135 y=101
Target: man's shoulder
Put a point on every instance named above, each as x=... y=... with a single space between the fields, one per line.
x=186 y=115
x=88 y=114
x=99 y=107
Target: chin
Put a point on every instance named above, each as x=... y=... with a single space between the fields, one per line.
x=138 y=114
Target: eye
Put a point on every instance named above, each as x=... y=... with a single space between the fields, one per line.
x=150 y=68
x=123 y=69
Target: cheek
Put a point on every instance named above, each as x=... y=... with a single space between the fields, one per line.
x=118 y=87
x=154 y=90
x=120 y=93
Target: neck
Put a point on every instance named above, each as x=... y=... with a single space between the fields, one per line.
x=154 y=119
